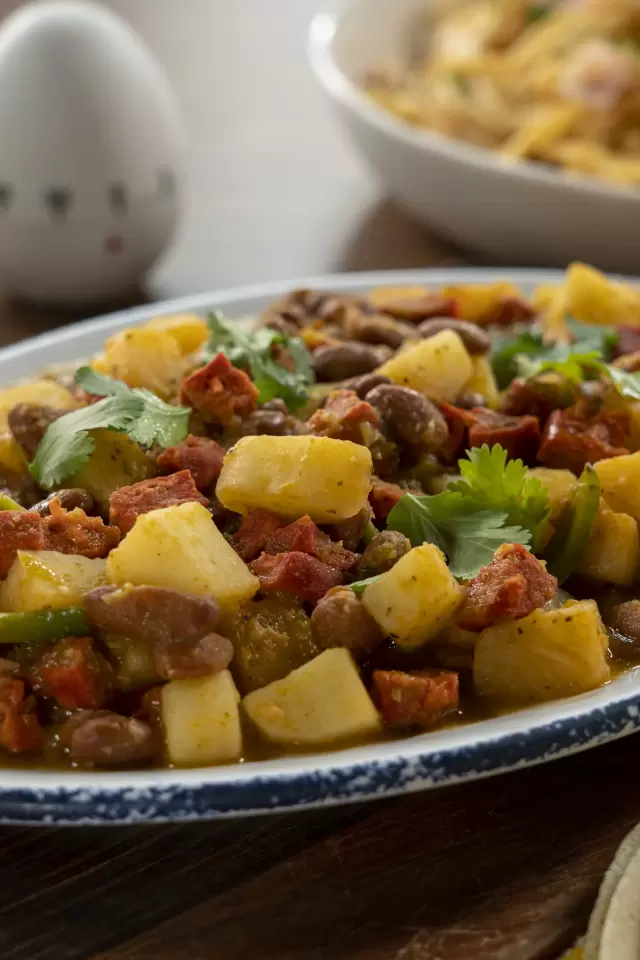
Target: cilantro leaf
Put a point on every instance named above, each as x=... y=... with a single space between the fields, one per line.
x=575 y=366
x=627 y=384
x=67 y=445
x=359 y=586
x=159 y=422
x=466 y=534
x=573 y=531
x=507 y=346
x=490 y=482
x=253 y=352
x=100 y=385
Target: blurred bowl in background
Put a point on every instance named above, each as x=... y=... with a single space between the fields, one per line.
x=511 y=211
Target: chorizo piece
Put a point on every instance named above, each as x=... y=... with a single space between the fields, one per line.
x=417 y=699
x=219 y=391
x=297 y=573
x=72 y=531
x=128 y=503
x=20 y=729
x=303 y=535
x=201 y=456
x=342 y=417
x=512 y=586
x=75 y=674
x=571 y=440
x=251 y=536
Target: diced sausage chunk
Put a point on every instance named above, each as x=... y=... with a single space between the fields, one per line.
x=520 y=436
x=343 y=417
x=19 y=530
x=418 y=699
x=251 y=536
x=179 y=659
x=75 y=674
x=340 y=620
x=151 y=613
x=512 y=586
x=383 y=498
x=28 y=423
x=219 y=391
x=72 y=531
x=304 y=536
x=109 y=739
x=201 y=456
x=297 y=573
x=571 y=440
x=128 y=503
x=20 y=730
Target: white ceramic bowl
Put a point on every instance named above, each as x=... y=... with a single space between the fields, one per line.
x=388 y=768
x=514 y=212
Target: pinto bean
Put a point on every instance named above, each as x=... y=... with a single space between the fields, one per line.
x=382 y=553
x=412 y=417
x=271 y=419
x=28 y=423
x=180 y=659
x=70 y=498
x=351 y=531
x=151 y=613
x=363 y=384
x=340 y=620
x=625 y=618
x=108 y=738
x=476 y=340
x=469 y=399
x=341 y=360
x=379 y=329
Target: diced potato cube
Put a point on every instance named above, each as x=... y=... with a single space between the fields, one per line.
x=116 y=461
x=439 y=366
x=182 y=549
x=321 y=702
x=549 y=654
x=415 y=600
x=188 y=330
x=593 y=298
x=45 y=578
x=44 y=393
x=482 y=380
x=478 y=302
x=327 y=479
x=559 y=485
x=12 y=459
x=380 y=296
x=620 y=483
x=201 y=719
x=145 y=358
x=613 y=552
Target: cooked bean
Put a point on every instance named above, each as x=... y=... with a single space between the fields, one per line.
x=379 y=329
x=382 y=553
x=178 y=659
x=476 y=340
x=469 y=399
x=351 y=531
x=151 y=613
x=341 y=360
x=414 y=309
x=625 y=618
x=28 y=423
x=340 y=620
x=411 y=416
x=272 y=423
x=363 y=384
x=108 y=738
x=70 y=498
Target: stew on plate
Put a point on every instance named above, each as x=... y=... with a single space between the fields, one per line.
x=356 y=517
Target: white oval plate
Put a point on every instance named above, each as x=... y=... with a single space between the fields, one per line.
x=505 y=743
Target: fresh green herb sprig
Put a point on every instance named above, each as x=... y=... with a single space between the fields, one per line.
x=573 y=531
x=253 y=352
x=67 y=444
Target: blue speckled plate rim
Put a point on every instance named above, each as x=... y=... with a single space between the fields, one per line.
x=483 y=749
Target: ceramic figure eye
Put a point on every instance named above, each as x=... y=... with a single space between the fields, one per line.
x=118 y=197
x=58 y=201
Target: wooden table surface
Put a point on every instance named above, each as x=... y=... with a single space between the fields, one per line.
x=504 y=869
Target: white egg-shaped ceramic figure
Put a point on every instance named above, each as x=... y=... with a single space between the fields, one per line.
x=91 y=153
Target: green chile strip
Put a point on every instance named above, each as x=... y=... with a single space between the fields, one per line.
x=41 y=625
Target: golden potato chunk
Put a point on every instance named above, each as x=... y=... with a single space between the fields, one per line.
x=46 y=578
x=549 y=654
x=482 y=380
x=116 y=461
x=188 y=330
x=321 y=702
x=620 y=483
x=438 y=367
x=415 y=600
x=613 y=551
x=182 y=549
x=327 y=479
x=201 y=720
x=144 y=357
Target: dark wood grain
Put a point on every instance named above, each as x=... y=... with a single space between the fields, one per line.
x=505 y=869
